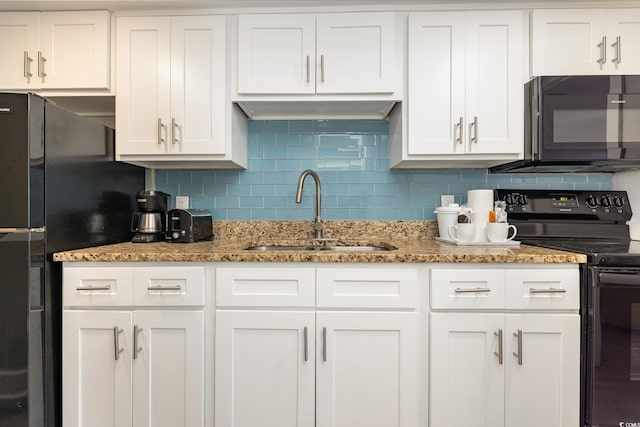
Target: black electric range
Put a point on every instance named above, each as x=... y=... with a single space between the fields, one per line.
x=590 y=222
x=594 y=223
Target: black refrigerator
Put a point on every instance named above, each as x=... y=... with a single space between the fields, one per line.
x=60 y=189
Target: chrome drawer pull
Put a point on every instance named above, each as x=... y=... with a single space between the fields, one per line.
x=547 y=291
x=41 y=61
x=460 y=126
x=617 y=58
x=136 y=349
x=116 y=341
x=518 y=335
x=471 y=290
x=603 y=50
x=161 y=127
x=499 y=352
x=94 y=288
x=164 y=288
x=27 y=65
x=306 y=344
x=324 y=344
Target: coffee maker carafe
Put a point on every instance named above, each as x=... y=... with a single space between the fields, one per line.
x=150 y=224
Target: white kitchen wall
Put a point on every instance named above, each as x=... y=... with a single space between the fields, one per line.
x=630 y=181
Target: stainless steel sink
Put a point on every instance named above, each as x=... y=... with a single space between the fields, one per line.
x=334 y=248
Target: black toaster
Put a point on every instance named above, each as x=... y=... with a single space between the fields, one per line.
x=189 y=225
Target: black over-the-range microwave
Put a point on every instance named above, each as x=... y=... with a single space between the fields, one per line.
x=580 y=124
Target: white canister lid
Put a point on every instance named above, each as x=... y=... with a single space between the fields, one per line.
x=453 y=207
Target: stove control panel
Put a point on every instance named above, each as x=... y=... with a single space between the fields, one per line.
x=599 y=205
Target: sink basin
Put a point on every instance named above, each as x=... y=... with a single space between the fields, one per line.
x=333 y=248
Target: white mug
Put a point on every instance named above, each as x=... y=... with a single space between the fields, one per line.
x=464 y=232
x=498 y=231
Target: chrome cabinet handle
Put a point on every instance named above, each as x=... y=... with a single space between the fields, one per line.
x=161 y=127
x=308 y=69
x=519 y=353
x=603 y=50
x=460 y=126
x=116 y=341
x=322 y=68
x=306 y=344
x=174 y=127
x=136 y=349
x=617 y=59
x=164 y=288
x=41 y=61
x=499 y=352
x=474 y=125
x=324 y=344
x=27 y=65
x=547 y=291
x=93 y=288
x=471 y=290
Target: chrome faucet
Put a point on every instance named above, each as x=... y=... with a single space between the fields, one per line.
x=317 y=221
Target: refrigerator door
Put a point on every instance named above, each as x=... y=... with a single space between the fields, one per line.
x=22 y=329
x=21 y=161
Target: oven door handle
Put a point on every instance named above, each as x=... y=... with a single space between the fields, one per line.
x=619 y=278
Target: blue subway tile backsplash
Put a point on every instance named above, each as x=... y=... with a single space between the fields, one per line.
x=351 y=158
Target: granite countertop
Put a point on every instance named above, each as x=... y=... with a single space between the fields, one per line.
x=412 y=242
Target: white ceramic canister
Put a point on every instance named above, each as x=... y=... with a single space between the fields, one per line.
x=447 y=216
x=481 y=203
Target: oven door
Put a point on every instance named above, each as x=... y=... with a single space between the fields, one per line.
x=613 y=348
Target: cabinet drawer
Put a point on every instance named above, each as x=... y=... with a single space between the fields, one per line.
x=97 y=286
x=467 y=288
x=543 y=289
x=265 y=287
x=367 y=287
x=177 y=286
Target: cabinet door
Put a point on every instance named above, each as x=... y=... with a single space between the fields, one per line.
x=355 y=53
x=197 y=68
x=624 y=23
x=168 y=369
x=265 y=369
x=20 y=33
x=143 y=73
x=494 y=82
x=95 y=384
x=75 y=50
x=544 y=388
x=436 y=82
x=569 y=42
x=466 y=376
x=368 y=369
x=276 y=54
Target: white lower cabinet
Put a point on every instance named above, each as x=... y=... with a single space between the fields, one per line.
x=302 y=366
x=504 y=365
x=134 y=364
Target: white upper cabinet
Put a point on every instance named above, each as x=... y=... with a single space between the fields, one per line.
x=55 y=50
x=275 y=53
x=585 y=41
x=465 y=96
x=172 y=108
x=333 y=53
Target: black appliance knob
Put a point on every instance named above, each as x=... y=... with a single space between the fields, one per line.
x=508 y=199
x=618 y=201
x=521 y=200
x=605 y=201
x=591 y=201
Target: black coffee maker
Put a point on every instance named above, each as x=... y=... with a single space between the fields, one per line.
x=150 y=224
